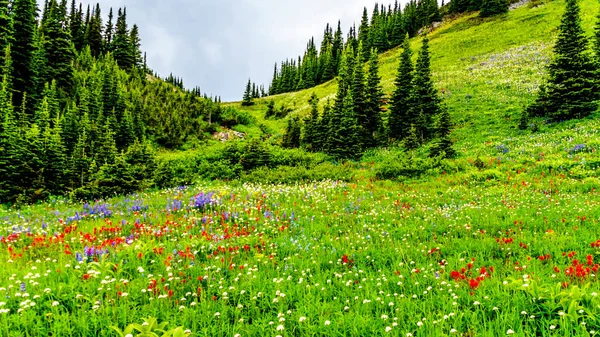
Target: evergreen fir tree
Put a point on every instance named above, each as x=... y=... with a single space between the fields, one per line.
x=337 y=49
x=443 y=144
x=596 y=42
x=291 y=138
x=108 y=32
x=345 y=140
x=363 y=30
x=311 y=124
x=424 y=99
x=6 y=26
x=572 y=89
x=247 y=100
x=400 y=120
x=77 y=27
x=493 y=7
x=372 y=129
x=93 y=34
x=57 y=44
x=357 y=90
x=23 y=47
x=136 y=46
x=122 y=51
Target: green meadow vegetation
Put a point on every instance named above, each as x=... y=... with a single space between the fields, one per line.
x=259 y=239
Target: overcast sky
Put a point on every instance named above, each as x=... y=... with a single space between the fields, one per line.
x=218 y=44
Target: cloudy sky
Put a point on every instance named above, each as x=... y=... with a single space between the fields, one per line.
x=219 y=44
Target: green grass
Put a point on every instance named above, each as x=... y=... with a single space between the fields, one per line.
x=487 y=70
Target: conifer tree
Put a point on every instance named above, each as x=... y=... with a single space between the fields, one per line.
x=357 y=90
x=6 y=26
x=77 y=27
x=493 y=7
x=443 y=144
x=400 y=119
x=572 y=88
x=122 y=51
x=363 y=30
x=23 y=47
x=345 y=140
x=337 y=49
x=57 y=45
x=247 y=99
x=93 y=35
x=311 y=124
x=136 y=45
x=108 y=32
x=424 y=99
x=292 y=136
x=372 y=129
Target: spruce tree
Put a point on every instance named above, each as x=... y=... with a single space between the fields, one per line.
x=424 y=99
x=493 y=7
x=596 y=42
x=247 y=99
x=412 y=141
x=572 y=89
x=93 y=34
x=108 y=32
x=23 y=47
x=345 y=141
x=136 y=46
x=311 y=124
x=122 y=51
x=399 y=120
x=292 y=136
x=372 y=129
x=443 y=143
x=337 y=49
x=6 y=28
x=59 y=53
x=364 y=31
x=357 y=89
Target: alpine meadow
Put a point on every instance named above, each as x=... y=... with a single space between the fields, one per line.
x=433 y=171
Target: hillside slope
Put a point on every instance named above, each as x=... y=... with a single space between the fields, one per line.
x=487 y=70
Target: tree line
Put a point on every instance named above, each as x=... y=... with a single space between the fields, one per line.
x=356 y=120
x=79 y=111
x=383 y=30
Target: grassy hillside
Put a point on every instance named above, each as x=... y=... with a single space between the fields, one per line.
x=487 y=70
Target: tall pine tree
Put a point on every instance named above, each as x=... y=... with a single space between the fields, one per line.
x=23 y=48
x=399 y=120
x=372 y=129
x=572 y=88
x=425 y=104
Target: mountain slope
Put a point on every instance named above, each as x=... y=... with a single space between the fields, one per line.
x=487 y=70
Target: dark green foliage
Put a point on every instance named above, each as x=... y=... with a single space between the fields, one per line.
x=93 y=33
x=424 y=99
x=412 y=140
x=57 y=44
x=76 y=26
x=572 y=88
x=345 y=137
x=443 y=143
x=122 y=50
x=363 y=30
x=6 y=26
x=311 y=124
x=270 y=109
x=400 y=118
x=247 y=99
x=357 y=91
x=23 y=48
x=136 y=45
x=256 y=154
x=291 y=138
x=372 y=128
x=492 y=7
x=108 y=32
